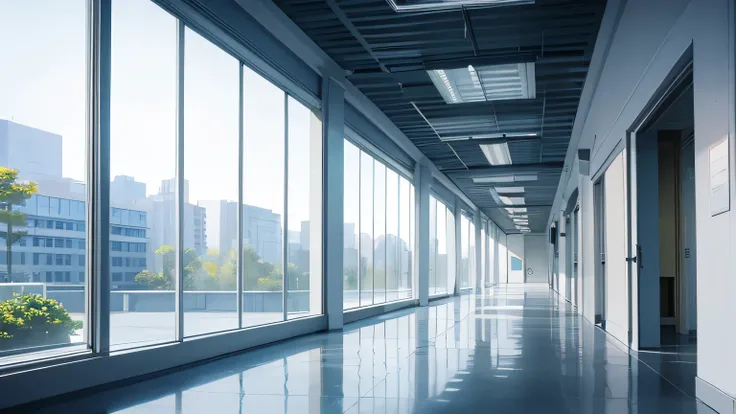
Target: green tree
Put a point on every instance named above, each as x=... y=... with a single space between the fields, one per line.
x=13 y=193
x=166 y=279
x=351 y=278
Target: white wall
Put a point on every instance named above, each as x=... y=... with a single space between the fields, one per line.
x=649 y=38
x=537 y=258
x=515 y=245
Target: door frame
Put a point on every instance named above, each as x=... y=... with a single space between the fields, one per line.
x=649 y=114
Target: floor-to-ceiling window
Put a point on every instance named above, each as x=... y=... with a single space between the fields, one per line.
x=483 y=253
x=464 y=277
x=442 y=247
x=378 y=231
x=503 y=270
x=351 y=216
x=211 y=134
x=492 y=256
x=43 y=231
x=215 y=184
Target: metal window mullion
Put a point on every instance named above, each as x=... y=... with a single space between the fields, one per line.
x=179 y=288
x=98 y=175
x=285 y=232
x=239 y=219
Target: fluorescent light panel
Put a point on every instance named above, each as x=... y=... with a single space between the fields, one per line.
x=497 y=154
x=497 y=135
x=508 y=178
x=486 y=83
x=423 y=5
x=509 y=190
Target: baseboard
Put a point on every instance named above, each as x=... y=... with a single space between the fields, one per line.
x=714 y=398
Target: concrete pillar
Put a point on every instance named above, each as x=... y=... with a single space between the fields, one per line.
x=422 y=180
x=333 y=127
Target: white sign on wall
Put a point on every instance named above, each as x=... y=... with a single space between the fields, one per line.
x=720 y=196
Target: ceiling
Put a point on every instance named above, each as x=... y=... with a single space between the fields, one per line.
x=386 y=55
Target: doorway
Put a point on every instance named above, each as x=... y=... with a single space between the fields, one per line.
x=661 y=206
x=599 y=230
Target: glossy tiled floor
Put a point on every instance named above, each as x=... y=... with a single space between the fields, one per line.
x=512 y=350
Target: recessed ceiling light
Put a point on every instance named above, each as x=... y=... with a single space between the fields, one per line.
x=486 y=83
x=509 y=190
x=421 y=5
x=497 y=154
x=525 y=177
x=513 y=210
x=512 y=200
x=506 y=178
x=496 y=135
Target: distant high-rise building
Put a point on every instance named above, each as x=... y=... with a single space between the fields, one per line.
x=36 y=153
x=125 y=189
x=162 y=210
x=261 y=229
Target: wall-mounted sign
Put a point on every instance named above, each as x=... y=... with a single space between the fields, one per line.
x=720 y=195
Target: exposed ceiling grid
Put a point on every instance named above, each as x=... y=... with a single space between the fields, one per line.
x=386 y=53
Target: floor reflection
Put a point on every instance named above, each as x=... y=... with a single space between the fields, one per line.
x=511 y=349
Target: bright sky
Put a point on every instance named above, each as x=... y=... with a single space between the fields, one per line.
x=42 y=80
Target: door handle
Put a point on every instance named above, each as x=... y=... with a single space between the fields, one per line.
x=637 y=258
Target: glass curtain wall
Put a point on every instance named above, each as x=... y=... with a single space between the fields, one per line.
x=378 y=252
x=503 y=270
x=43 y=231
x=464 y=277
x=472 y=257
x=214 y=193
x=483 y=254
x=441 y=248
x=451 y=252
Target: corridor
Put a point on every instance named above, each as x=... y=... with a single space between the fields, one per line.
x=514 y=349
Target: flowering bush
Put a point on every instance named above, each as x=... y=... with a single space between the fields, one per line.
x=31 y=317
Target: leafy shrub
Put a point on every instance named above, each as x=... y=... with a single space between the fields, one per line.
x=31 y=316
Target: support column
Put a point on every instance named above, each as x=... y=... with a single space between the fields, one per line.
x=333 y=127
x=422 y=180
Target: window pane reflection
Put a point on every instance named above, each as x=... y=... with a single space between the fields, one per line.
x=351 y=212
x=211 y=125
x=304 y=248
x=366 y=229
x=42 y=174
x=379 y=237
x=143 y=167
x=263 y=199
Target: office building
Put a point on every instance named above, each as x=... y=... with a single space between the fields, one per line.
x=20 y=149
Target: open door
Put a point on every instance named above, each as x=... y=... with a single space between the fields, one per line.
x=600 y=253
x=648 y=182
